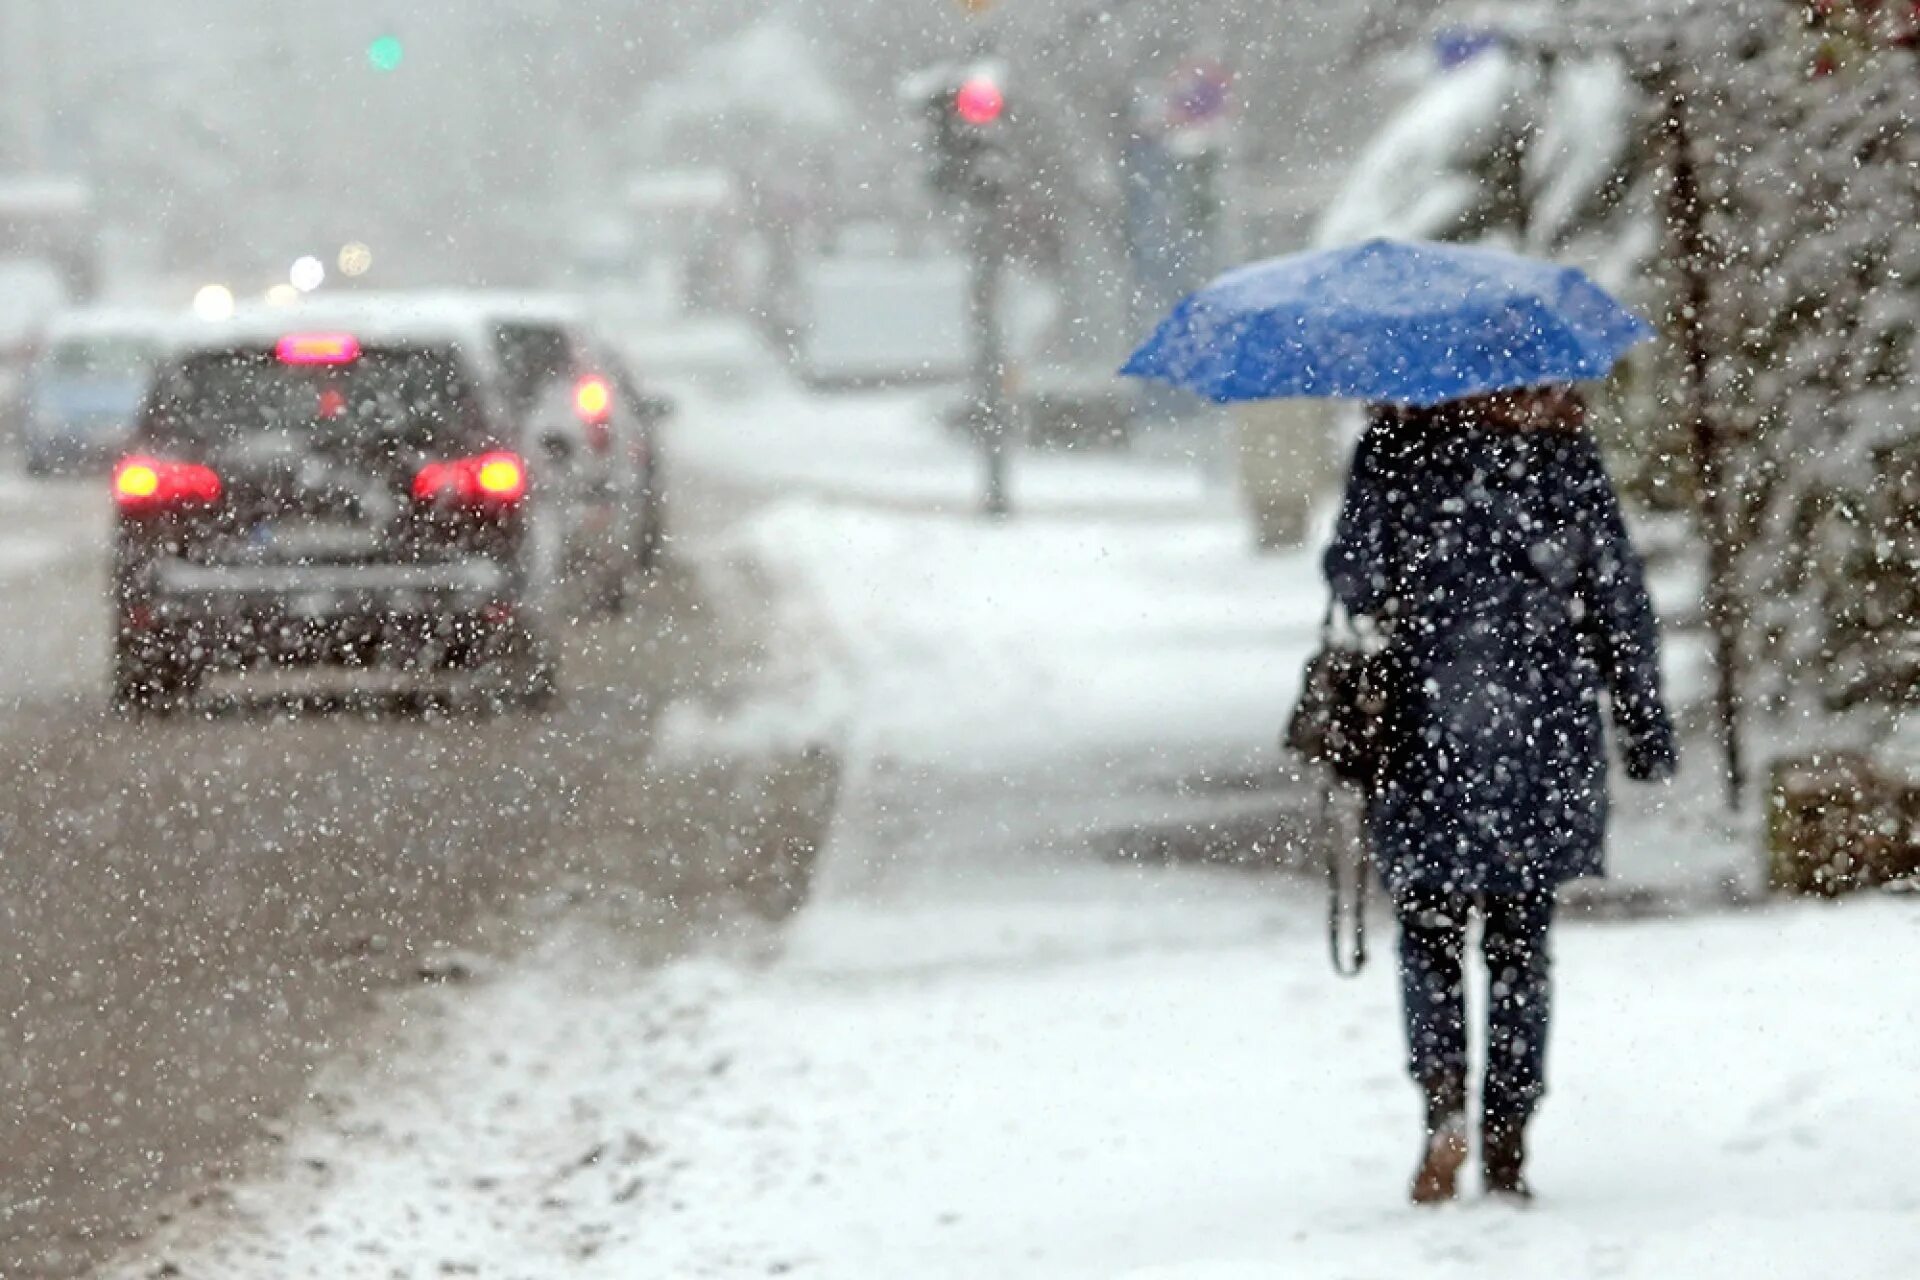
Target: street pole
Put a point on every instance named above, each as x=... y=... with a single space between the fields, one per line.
x=965 y=107
x=990 y=415
x=986 y=249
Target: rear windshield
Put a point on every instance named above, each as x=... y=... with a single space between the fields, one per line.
x=100 y=360
x=390 y=401
x=532 y=358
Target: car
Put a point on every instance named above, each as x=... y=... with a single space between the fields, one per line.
x=597 y=431
x=640 y=415
x=84 y=391
x=603 y=430
x=350 y=494
x=539 y=344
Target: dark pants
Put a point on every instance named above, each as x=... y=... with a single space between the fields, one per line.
x=1433 y=943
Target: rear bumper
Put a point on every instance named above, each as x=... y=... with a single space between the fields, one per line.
x=479 y=579
x=237 y=615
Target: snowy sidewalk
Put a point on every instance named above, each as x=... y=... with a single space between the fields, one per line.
x=1732 y=1099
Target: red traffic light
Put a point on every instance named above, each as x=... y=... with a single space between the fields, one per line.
x=979 y=101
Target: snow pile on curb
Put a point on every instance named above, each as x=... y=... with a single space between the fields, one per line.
x=982 y=646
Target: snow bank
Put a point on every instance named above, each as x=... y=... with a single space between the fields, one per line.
x=1004 y=646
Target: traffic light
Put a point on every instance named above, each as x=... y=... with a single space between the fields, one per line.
x=979 y=102
x=967 y=117
x=965 y=109
x=386 y=53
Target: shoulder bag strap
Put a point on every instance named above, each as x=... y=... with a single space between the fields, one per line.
x=1348 y=960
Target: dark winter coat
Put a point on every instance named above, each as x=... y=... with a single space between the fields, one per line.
x=1499 y=561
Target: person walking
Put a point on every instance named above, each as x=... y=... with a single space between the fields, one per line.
x=1484 y=539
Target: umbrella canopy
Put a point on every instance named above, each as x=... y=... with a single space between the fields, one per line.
x=1413 y=324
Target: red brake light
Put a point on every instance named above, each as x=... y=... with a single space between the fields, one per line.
x=493 y=479
x=593 y=399
x=151 y=484
x=318 y=348
x=979 y=101
x=434 y=480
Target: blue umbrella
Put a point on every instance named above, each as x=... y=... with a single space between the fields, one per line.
x=1412 y=324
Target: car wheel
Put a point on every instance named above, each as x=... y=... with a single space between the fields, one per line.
x=526 y=674
x=143 y=685
x=653 y=535
x=615 y=597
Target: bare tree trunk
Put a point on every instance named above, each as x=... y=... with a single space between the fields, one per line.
x=1686 y=226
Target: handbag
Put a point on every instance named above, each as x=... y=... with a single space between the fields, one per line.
x=1339 y=722
x=1340 y=725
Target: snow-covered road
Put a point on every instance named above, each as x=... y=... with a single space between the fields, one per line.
x=983 y=1049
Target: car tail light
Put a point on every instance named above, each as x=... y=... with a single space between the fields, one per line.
x=154 y=484
x=491 y=479
x=593 y=399
x=318 y=348
x=501 y=476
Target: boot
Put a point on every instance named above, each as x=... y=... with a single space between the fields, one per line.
x=1445 y=1150
x=1503 y=1157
